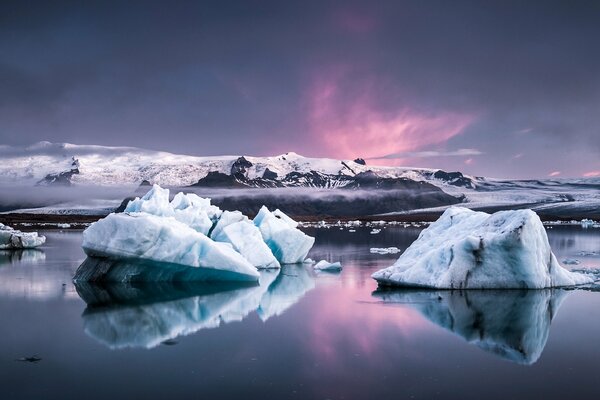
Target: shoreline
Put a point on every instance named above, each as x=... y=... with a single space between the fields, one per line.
x=30 y=221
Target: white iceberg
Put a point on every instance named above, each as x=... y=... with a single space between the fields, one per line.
x=189 y=232
x=324 y=265
x=288 y=244
x=237 y=230
x=384 y=250
x=190 y=209
x=14 y=239
x=466 y=249
x=141 y=236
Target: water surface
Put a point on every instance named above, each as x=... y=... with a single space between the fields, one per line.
x=298 y=335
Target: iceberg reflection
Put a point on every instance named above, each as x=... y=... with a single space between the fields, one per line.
x=21 y=255
x=511 y=324
x=145 y=315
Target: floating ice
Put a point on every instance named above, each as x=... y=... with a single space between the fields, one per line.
x=571 y=261
x=14 y=239
x=288 y=244
x=163 y=240
x=190 y=209
x=324 y=265
x=245 y=237
x=189 y=232
x=384 y=250
x=511 y=324
x=465 y=249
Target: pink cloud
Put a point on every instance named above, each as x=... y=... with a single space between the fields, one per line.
x=554 y=173
x=469 y=161
x=591 y=174
x=347 y=126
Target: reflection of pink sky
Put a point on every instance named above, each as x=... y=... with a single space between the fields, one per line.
x=352 y=126
x=356 y=320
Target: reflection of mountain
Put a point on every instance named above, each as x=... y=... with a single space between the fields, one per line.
x=132 y=315
x=510 y=324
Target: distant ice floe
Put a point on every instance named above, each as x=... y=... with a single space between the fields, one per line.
x=14 y=239
x=510 y=324
x=466 y=249
x=384 y=250
x=121 y=315
x=325 y=265
x=189 y=238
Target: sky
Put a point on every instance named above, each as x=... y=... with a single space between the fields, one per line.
x=490 y=88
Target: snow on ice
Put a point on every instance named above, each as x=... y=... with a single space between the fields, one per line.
x=466 y=249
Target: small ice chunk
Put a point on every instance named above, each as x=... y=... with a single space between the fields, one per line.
x=384 y=250
x=466 y=249
x=571 y=261
x=14 y=239
x=309 y=261
x=375 y=231
x=288 y=244
x=63 y=226
x=324 y=265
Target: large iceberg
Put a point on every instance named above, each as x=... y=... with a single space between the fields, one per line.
x=289 y=244
x=187 y=238
x=14 y=239
x=164 y=240
x=465 y=249
x=511 y=324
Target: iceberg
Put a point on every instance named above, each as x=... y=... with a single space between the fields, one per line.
x=237 y=230
x=288 y=244
x=167 y=244
x=465 y=249
x=510 y=324
x=324 y=265
x=190 y=209
x=187 y=238
x=14 y=239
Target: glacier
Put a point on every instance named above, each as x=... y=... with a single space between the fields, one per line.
x=466 y=249
x=169 y=237
x=14 y=239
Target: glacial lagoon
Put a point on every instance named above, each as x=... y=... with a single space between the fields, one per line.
x=299 y=334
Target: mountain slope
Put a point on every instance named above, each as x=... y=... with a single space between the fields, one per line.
x=64 y=164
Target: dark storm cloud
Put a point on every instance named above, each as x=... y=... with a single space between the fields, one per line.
x=518 y=82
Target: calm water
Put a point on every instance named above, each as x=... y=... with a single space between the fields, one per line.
x=299 y=335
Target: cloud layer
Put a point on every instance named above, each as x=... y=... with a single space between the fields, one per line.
x=323 y=78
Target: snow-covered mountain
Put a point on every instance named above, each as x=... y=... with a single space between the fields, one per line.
x=398 y=189
x=63 y=163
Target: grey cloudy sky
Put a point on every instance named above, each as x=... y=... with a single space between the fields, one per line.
x=497 y=88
